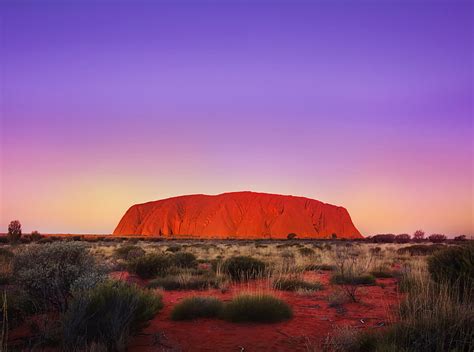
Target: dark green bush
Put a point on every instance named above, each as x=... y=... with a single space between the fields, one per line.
x=256 y=308
x=321 y=267
x=296 y=284
x=339 y=279
x=108 y=315
x=454 y=265
x=291 y=236
x=48 y=272
x=35 y=236
x=173 y=249
x=150 y=265
x=19 y=306
x=381 y=274
x=185 y=260
x=243 y=268
x=170 y=283
x=420 y=249
x=129 y=252
x=306 y=252
x=197 y=307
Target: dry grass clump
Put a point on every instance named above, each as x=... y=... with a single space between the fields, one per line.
x=186 y=281
x=260 y=308
x=184 y=260
x=320 y=267
x=352 y=263
x=173 y=249
x=381 y=274
x=348 y=279
x=150 y=265
x=197 y=307
x=435 y=316
x=420 y=249
x=338 y=298
x=306 y=252
x=455 y=266
x=108 y=315
x=129 y=252
x=243 y=268
x=295 y=284
x=153 y=264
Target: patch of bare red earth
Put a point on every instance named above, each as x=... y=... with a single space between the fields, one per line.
x=313 y=320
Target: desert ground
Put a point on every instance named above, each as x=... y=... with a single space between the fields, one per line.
x=116 y=294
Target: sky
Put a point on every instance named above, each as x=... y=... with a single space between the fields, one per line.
x=364 y=104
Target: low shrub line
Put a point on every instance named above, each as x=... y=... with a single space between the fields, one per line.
x=259 y=308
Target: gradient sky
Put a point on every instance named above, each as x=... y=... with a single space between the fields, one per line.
x=365 y=104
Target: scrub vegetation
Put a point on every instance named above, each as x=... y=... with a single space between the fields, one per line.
x=80 y=294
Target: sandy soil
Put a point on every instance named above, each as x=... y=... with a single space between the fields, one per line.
x=313 y=320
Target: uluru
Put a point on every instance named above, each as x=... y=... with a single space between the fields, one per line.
x=242 y=215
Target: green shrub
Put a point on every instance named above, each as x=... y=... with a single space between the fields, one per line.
x=173 y=249
x=242 y=268
x=181 y=282
x=420 y=249
x=296 y=284
x=150 y=265
x=306 y=252
x=35 y=236
x=291 y=236
x=381 y=274
x=197 y=307
x=432 y=318
x=185 y=260
x=256 y=308
x=455 y=266
x=339 y=279
x=46 y=240
x=108 y=315
x=47 y=272
x=129 y=252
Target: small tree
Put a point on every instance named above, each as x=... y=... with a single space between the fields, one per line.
x=384 y=238
x=437 y=238
x=460 y=238
x=35 y=236
x=14 y=231
x=419 y=235
x=402 y=238
x=291 y=236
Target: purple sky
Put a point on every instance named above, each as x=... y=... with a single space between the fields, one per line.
x=365 y=104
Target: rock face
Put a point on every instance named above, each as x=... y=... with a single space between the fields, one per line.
x=237 y=215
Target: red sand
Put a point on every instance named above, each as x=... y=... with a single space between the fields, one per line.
x=311 y=324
